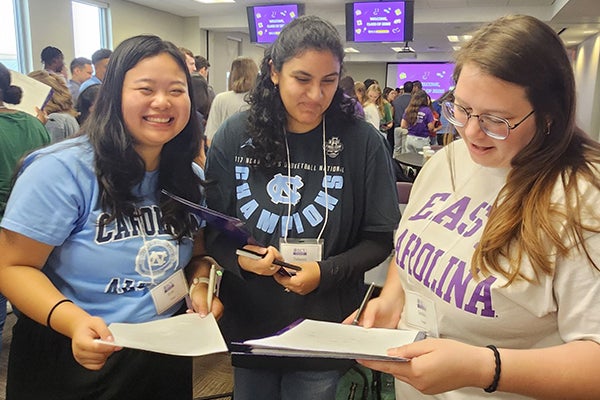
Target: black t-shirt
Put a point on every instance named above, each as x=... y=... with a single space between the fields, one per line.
x=361 y=198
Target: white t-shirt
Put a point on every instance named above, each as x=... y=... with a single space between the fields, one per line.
x=224 y=106
x=372 y=115
x=434 y=244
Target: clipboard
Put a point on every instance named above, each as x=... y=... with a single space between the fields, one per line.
x=233 y=227
x=335 y=340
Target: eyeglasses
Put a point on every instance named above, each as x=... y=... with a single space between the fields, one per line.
x=493 y=126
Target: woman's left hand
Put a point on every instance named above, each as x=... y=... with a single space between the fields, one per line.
x=439 y=365
x=304 y=281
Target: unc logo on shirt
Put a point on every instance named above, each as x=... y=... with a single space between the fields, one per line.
x=285 y=190
x=156 y=258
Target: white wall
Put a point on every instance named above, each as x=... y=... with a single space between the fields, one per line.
x=223 y=47
x=360 y=71
x=586 y=67
x=194 y=38
x=130 y=19
x=50 y=25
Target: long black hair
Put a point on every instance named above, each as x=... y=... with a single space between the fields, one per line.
x=267 y=115
x=85 y=101
x=119 y=168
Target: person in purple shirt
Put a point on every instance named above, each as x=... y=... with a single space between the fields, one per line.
x=418 y=119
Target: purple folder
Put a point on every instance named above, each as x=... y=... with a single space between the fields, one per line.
x=231 y=226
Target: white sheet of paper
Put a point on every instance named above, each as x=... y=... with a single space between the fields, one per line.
x=35 y=92
x=313 y=338
x=182 y=335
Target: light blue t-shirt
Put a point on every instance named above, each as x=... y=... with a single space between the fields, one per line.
x=108 y=270
x=93 y=80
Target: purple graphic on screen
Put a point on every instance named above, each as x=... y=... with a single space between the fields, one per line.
x=436 y=77
x=379 y=22
x=269 y=20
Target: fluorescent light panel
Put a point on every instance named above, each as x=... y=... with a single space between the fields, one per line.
x=458 y=38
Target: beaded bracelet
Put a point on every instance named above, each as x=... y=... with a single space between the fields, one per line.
x=494 y=385
x=52 y=310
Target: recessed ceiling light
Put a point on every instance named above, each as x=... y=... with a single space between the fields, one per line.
x=452 y=38
x=351 y=50
x=214 y=1
x=456 y=48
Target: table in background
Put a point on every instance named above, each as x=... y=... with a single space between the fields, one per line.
x=414 y=160
x=408 y=161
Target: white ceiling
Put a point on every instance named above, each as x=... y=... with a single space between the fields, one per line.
x=434 y=20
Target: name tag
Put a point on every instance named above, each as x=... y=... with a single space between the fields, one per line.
x=299 y=250
x=419 y=313
x=169 y=292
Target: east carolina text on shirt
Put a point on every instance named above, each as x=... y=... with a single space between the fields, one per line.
x=447 y=276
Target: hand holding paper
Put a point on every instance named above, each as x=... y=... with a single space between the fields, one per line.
x=182 y=335
x=323 y=339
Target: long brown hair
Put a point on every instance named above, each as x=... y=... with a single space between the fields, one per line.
x=417 y=100
x=61 y=100
x=242 y=77
x=525 y=221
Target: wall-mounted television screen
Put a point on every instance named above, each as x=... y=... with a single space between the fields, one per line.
x=265 y=22
x=382 y=21
x=436 y=77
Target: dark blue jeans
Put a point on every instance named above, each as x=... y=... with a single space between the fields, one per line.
x=253 y=384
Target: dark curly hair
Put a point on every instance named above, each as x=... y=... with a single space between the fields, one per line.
x=267 y=116
x=9 y=93
x=49 y=54
x=119 y=168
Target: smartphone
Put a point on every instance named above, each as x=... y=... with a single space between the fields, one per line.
x=285 y=267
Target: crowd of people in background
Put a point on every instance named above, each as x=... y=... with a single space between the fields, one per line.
x=395 y=101
x=386 y=110
x=293 y=141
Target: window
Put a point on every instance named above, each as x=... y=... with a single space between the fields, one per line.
x=90 y=27
x=8 y=33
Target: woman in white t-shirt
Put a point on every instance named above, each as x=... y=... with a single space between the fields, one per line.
x=497 y=251
x=241 y=79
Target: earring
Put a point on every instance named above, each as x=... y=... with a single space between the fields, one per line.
x=547 y=130
x=276 y=87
